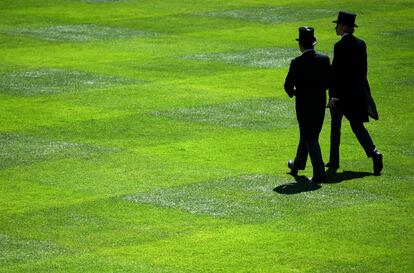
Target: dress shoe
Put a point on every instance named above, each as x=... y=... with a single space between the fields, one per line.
x=331 y=166
x=377 y=162
x=293 y=169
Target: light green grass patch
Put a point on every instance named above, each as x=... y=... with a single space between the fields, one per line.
x=54 y=80
x=256 y=57
x=201 y=142
x=15 y=250
x=253 y=198
x=19 y=150
x=253 y=114
x=80 y=33
x=274 y=15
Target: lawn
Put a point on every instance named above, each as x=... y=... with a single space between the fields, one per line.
x=153 y=136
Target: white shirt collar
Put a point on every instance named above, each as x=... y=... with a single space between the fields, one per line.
x=311 y=49
x=343 y=35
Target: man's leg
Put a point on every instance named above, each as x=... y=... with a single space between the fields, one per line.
x=336 y=120
x=301 y=155
x=367 y=144
x=363 y=137
x=315 y=154
x=299 y=162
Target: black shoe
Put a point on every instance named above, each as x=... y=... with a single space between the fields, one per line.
x=318 y=180
x=377 y=162
x=331 y=166
x=293 y=169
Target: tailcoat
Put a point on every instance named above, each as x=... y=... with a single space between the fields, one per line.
x=350 y=84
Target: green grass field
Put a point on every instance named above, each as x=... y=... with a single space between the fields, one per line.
x=153 y=136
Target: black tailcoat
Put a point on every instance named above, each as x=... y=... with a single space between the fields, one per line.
x=350 y=84
x=308 y=79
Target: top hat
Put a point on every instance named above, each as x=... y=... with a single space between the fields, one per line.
x=346 y=18
x=306 y=36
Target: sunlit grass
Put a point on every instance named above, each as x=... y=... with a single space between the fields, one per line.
x=273 y=15
x=153 y=136
x=255 y=114
x=53 y=80
x=79 y=33
x=258 y=57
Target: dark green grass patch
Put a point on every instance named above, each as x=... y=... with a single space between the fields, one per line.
x=406 y=33
x=313 y=243
x=257 y=57
x=22 y=113
x=254 y=114
x=273 y=15
x=80 y=33
x=131 y=131
x=404 y=83
x=182 y=68
x=54 y=80
x=99 y=1
x=22 y=150
x=113 y=174
x=83 y=226
x=19 y=196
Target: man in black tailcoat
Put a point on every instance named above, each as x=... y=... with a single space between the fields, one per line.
x=308 y=80
x=350 y=94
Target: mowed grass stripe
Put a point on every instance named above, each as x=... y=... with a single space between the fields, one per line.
x=273 y=14
x=22 y=150
x=54 y=80
x=255 y=57
x=267 y=250
x=14 y=250
x=255 y=114
x=198 y=181
x=253 y=198
x=22 y=113
x=80 y=33
x=118 y=174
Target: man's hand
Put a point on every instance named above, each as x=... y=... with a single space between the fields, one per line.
x=332 y=102
x=293 y=92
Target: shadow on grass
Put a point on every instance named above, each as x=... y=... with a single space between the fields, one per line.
x=302 y=185
x=334 y=177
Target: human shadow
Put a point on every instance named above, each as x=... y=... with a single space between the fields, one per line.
x=335 y=177
x=302 y=185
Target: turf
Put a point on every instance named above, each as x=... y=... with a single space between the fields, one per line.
x=31 y=83
x=153 y=136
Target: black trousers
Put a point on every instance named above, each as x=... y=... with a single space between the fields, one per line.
x=312 y=148
x=310 y=126
x=359 y=130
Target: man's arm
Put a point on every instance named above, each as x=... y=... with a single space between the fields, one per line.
x=289 y=81
x=364 y=62
x=334 y=78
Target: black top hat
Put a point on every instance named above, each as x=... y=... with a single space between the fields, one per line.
x=306 y=36
x=346 y=18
